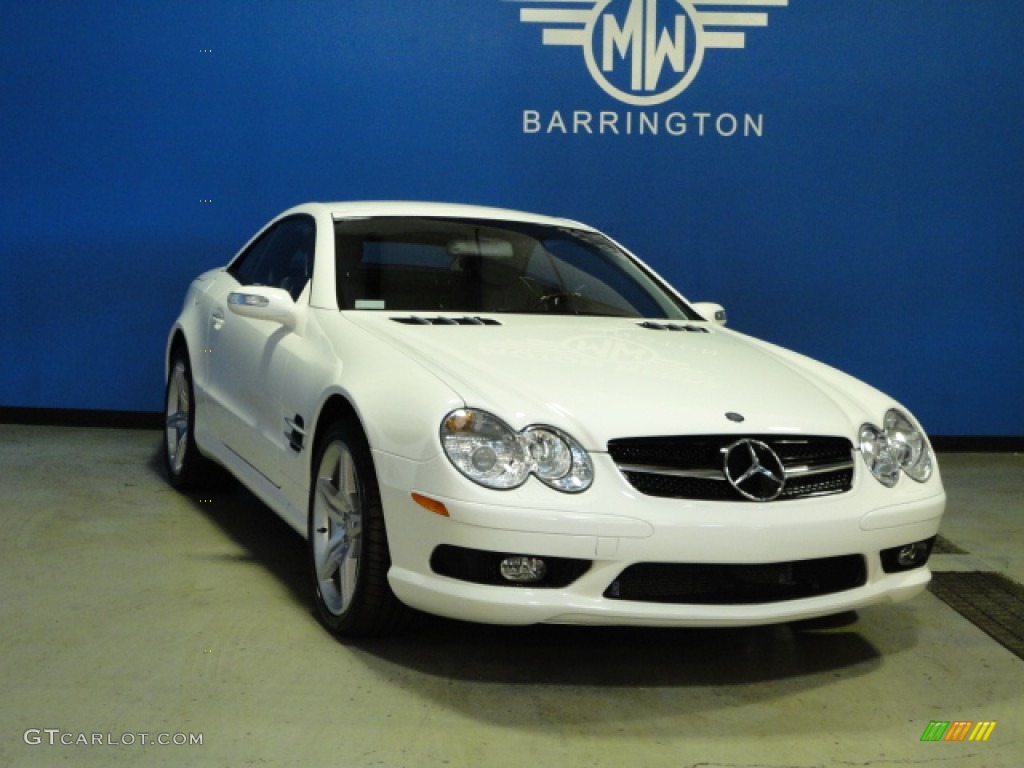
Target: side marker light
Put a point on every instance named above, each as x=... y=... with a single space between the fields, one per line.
x=432 y=505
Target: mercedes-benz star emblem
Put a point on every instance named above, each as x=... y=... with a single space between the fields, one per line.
x=754 y=469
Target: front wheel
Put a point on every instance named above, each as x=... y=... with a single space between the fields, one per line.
x=348 y=546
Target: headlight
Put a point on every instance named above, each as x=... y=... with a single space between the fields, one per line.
x=489 y=452
x=897 y=446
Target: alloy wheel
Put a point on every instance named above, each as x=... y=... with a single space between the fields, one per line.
x=337 y=527
x=177 y=418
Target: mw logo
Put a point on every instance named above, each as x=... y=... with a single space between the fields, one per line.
x=644 y=52
x=643 y=43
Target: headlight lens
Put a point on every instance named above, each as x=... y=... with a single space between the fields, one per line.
x=489 y=452
x=897 y=446
x=484 y=449
x=558 y=460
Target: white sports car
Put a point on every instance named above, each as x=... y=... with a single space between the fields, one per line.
x=508 y=418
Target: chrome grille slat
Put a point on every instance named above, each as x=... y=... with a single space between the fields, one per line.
x=704 y=474
x=822 y=470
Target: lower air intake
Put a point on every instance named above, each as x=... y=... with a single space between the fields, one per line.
x=729 y=584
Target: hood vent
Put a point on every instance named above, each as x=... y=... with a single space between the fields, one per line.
x=672 y=327
x=417 y=320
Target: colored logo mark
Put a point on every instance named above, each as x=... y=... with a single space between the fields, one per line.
x=958 y=730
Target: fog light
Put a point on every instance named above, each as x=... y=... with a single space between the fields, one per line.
x=523 y=569
x=907 y=556
x=911 y=554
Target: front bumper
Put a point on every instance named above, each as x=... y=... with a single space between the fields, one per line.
x=613 y=527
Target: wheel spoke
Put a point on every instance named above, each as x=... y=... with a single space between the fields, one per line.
x=348 y=482
x=182 y=388
x=179 y=450
x=351 y=493
x=348 y=576
x=336 y=506
x=337 y=551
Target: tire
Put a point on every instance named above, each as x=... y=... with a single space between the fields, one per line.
x=348 y=549
x=187 y=469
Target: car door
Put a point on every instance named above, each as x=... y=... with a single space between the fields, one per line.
x=247 y=354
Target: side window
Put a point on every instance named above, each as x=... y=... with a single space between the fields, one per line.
x=282 y=257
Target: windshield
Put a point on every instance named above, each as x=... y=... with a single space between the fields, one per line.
x=476 y=265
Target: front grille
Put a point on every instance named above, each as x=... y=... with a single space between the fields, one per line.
x=693 y=466
x=727 y=584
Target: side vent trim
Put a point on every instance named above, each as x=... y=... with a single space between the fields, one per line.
x=417 y=320
x=652 y=326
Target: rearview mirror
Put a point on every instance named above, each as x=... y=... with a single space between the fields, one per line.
x=262 y=302
x=482 y=247
x=713 y=313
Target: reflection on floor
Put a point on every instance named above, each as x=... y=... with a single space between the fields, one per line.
x=130 y=611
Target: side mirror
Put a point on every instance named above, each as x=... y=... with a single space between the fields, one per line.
x=261 y=302
x=714 y=313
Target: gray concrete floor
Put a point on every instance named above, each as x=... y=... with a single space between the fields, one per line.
x=130 y=609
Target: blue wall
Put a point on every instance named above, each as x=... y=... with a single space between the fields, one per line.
x=872 y=217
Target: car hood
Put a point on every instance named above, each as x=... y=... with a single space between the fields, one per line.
x=603 y=378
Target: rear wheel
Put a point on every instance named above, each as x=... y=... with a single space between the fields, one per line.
x=348 y=546
x=187 y=469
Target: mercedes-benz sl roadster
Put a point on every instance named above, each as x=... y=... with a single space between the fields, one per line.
x=508 y=418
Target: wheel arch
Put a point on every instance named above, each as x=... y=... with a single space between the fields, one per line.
x=175 y=341
x=337 y=407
